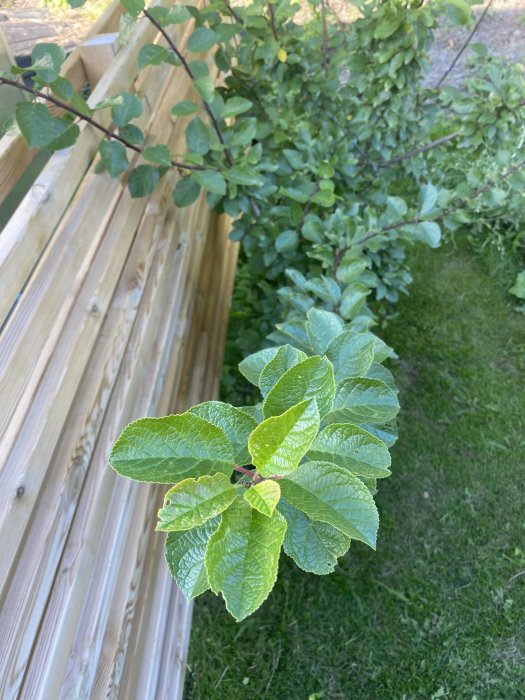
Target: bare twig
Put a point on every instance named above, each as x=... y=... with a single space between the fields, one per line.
x=272 y=21
x=326 y=58
x=187 y=68
x=236 y=16
x=464 y=46
x=420 y=149
x=89 y=120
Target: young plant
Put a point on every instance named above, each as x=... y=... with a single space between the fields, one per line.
x=308 y=457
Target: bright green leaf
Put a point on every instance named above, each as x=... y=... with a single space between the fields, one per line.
x=164 y=450
x=322 y=327
x=243 y=556
x=252 y=366
x=352 y=448
x=194 y=501
x=235 y=106
x=185 y=552
x=362 y=400
x=198 y=137
x=311 y=379
x=313 y=545
x=351 y=354
x=41 y=130
x=286 y=357
x=264 y=496
x=235 y=424
x=279 y=443
x=332 y=495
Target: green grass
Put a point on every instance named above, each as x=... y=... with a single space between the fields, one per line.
x=439 y=609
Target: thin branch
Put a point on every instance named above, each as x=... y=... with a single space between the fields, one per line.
x=465 y=44
x=326 y=59
x=438 y=142
x=439 y=215
x=233 y=13
x=89 y=120
x=243 y=470
x=272 y=22
x=187 y=68
x=421 y=149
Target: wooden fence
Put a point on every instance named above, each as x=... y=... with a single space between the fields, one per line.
x=111 y=309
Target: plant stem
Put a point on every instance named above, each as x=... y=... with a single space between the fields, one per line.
x=464 y=46
x=326 y=59
x=185 y=65
x=420 y=149
x=89 y=120
x=272 y=22
x=243 y=470
x=437 y=217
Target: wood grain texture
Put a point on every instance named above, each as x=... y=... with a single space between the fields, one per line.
x=122 y=314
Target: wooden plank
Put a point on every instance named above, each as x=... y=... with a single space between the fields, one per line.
x=97 y=54
x=25 y=600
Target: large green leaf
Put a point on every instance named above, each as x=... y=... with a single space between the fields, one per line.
x=363 y=400
x=331 y=494
x=198 y=137
x=185 y=552
x=236 y=425
x=243 y=556
x=41 y=130
x=380 y=372
x=351 y=354
x=287 y=356
x=235 y=106
x=164 y=450
x=313 y=545
x=264 y=496
x=279 y=443
x=194 y=501
x=252 y=366
x=312 y=378
x=322 y=327
x=186 y=191
x=47 y=60
x=353 y=448
x=143 y=180
x=211 y=180
x=113 y=155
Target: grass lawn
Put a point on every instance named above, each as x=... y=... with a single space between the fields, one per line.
x=439 y=609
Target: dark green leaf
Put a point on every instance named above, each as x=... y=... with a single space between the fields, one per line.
x=186 y=191
x=143 y=180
